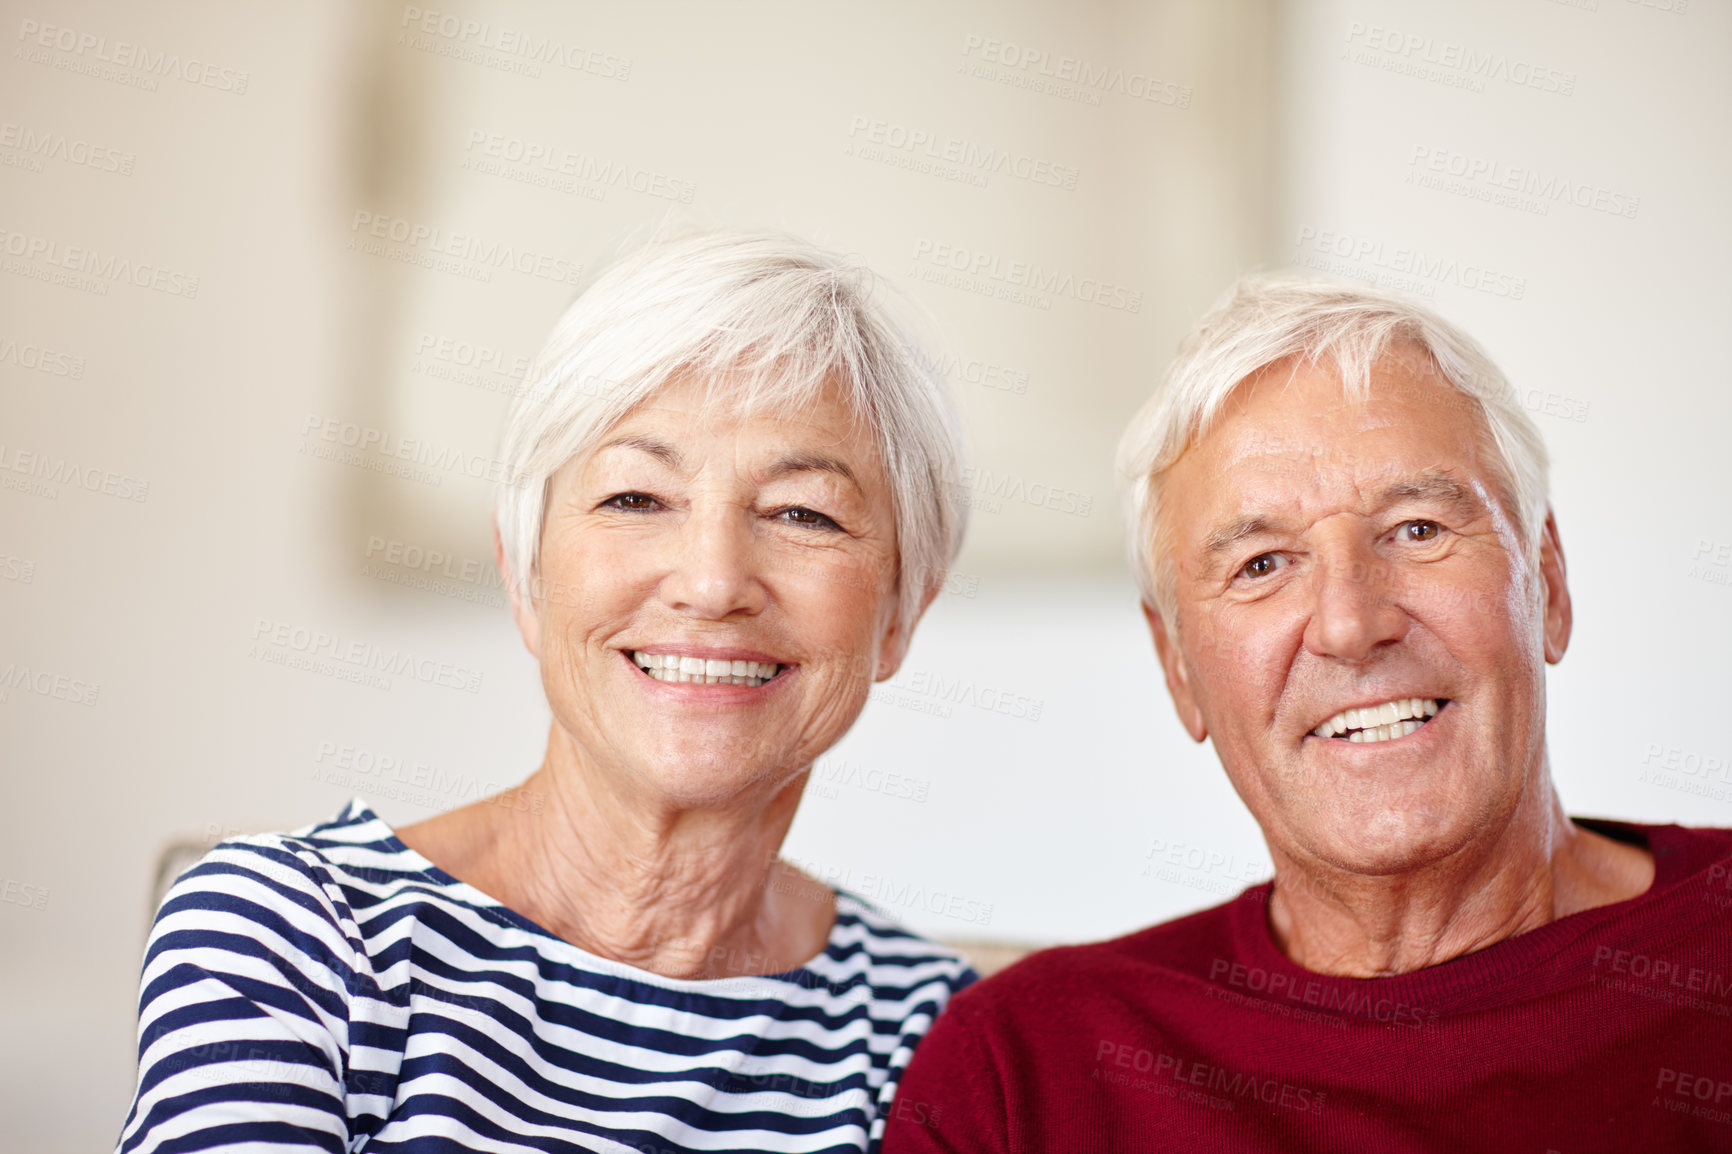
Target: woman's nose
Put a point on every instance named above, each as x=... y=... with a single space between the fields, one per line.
x=713 y=569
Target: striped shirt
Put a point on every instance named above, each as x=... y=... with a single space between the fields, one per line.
x=331 y=988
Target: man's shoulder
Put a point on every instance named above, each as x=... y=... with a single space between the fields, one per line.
x=1173 y=953
x=1681 y=852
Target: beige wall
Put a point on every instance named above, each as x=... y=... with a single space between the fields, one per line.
x=260 y=172
x=1083 y=812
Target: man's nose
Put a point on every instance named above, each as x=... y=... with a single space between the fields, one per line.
x=713 y=571
x=1354 y=610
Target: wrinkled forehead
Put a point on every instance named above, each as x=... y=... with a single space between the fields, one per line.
x=758 y=422
x=1296 y=435
x=801 y=404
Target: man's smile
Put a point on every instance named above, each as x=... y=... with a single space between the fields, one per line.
x=1384 y=721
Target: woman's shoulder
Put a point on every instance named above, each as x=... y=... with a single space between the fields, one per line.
x=325 y=883
x=322 y=858
x=869 y=945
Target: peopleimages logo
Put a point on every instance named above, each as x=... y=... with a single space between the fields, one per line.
x=1070 y=77
x=16 y=678
x=43 y=360
x=101 y=267
x=383 y=451
x=905 y=146
x=1511 y=185
x=987 y=374
x=47 y=472
x=430 y=242
x=1025 y=282
x=39 y=145
x=1430 y=58
x=525 y=47
x=122 y=54
x=1188 y=1073
x=1324 y=996
x=318 y=651
x=1403 y=260
x=545 y=164
x=966 y=691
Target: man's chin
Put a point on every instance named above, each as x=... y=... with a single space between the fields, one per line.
x=1388 y=842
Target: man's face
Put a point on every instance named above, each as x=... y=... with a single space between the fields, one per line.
x=1333 y=557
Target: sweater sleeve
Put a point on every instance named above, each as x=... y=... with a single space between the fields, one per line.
x=951 y=1100
x=243 y=1012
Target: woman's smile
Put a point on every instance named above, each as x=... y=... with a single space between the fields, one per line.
x=725 y=668
x=714 y=676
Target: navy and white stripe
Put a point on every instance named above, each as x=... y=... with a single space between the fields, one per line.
x=332 y=989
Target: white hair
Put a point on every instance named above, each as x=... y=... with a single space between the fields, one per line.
x=1271 y=317
x=763 y=319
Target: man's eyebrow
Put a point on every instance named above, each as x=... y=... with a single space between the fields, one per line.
x=1440 y=487
x=1227 y=537
x=660 y=450
x=810 y=462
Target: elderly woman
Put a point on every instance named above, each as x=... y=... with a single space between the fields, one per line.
x=726 y=509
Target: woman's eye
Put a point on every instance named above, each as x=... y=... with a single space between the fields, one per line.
x=1259 y=566
x=1421 y=530
x=799 y=515
x=631 y=502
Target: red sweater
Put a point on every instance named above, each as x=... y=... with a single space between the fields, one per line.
x=1608 y=1030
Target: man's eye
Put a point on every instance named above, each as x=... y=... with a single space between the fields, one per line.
x=1421 y=530
x=810 y=518
x=1259 y=566
x=631 y=502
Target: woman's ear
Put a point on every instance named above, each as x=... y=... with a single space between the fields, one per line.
x=894 y=636
x=528 y=624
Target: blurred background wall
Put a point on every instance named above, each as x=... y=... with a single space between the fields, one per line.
x=252 y=253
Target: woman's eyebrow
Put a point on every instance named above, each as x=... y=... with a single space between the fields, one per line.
x=810 y=462
x=660 y=450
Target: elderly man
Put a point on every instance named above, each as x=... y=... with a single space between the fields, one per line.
x=1354 y=582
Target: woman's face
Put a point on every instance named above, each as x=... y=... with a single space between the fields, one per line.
x=716 y=595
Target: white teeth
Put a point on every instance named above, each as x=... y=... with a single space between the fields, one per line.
x=699 y=671
x=1380 y=722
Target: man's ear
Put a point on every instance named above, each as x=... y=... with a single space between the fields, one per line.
x=1559 y=617
x=894 y=637
x=528 y=624
x=1178 y=677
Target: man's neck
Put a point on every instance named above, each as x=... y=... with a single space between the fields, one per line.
x=1542 y=868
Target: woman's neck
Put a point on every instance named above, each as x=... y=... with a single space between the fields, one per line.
x=686 y=892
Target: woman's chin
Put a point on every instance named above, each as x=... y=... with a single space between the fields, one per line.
x=709 y=778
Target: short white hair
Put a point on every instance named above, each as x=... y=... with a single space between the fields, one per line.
x=1267 y=318
x=766 y=321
